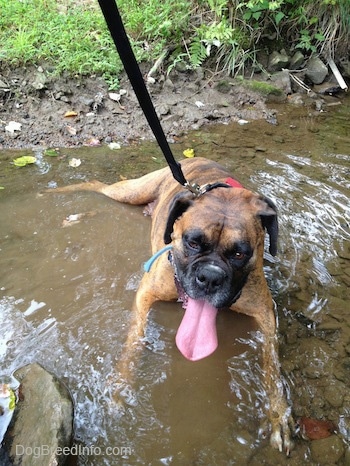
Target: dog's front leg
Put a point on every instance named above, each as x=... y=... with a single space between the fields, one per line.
x=132 y=348
x=156 y=285
x=278 y=410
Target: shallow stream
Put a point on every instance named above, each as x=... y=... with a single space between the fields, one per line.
x=66 y=293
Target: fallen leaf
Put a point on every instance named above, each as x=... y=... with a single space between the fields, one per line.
x=51 y=152
x=199 y=104
x=70 y=113
x=114 y=96
x=313 y=429
x=71 y=130
x=114 y=145
x=189 y=153
x=73 y=219
x=93 y=142
x=74 y=163
x=23 y=161
x=13 y=126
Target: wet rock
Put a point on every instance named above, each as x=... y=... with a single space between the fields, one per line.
x=327 y=87
x=328 y=450
x=86 y=101
x=282 y=81
x=315 y=357
x=316 y=70
x=344 y=253
x=347 y=457
x=40 y=81
x=168 y=84
x=42 y=422
x=278 y=61
x=319 y=104
x=163 y=109
x=334 y=394
x=296 y=99
x=346 y=280
x=341 y=371
x=296 y=61
x=65 y=99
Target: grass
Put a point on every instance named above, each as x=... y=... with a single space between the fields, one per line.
x=71 y=37
x=74 y=40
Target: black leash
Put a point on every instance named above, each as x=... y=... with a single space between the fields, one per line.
x=116 y=28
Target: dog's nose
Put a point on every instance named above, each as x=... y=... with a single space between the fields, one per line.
x=210 y=277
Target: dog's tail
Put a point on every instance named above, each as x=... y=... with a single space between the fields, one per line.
x=139 y=191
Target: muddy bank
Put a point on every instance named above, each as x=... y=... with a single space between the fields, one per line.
x=38 y=109
x=40 y=104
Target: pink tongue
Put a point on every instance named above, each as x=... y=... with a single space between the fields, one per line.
x=196 y=337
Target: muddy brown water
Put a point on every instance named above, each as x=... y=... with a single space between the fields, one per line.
x=67 y=292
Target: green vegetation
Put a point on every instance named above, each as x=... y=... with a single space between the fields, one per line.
x=262 y=87
x=73 y=39
x=70 y=35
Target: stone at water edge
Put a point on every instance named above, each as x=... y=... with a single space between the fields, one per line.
x=316 y=70
x=43 y=419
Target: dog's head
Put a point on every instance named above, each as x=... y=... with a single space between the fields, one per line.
x=218 y=239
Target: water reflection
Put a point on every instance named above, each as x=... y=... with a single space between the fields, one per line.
x=67 y=291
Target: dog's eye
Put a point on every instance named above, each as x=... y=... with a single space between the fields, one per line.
x=240 y=253
x=195 y=242
x=193 y=245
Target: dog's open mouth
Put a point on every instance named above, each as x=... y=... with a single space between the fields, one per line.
x=196 y=337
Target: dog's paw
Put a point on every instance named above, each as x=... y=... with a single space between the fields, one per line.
x=281 y=436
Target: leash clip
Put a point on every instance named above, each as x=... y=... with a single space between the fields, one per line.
x=198 y=190
x=194 y=188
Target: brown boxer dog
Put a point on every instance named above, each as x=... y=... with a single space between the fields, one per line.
x=215 y=261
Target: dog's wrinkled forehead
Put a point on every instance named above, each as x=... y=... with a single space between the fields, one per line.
x=222 y=222
x=230 y=212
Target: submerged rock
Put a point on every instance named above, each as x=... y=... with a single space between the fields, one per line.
x=327 y=450
x=42 y=423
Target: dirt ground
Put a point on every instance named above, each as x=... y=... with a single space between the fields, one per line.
x=66 y=112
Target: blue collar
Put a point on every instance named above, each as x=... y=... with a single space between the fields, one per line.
x=148 y=264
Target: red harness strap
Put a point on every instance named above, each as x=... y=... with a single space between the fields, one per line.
x=234 y=183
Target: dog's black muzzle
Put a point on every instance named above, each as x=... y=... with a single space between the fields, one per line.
x=210 y=278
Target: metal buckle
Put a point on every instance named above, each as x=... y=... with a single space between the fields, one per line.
x=194 y=188
x=197 y=190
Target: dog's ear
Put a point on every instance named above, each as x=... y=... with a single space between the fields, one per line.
x=181 y=202
x=268 y=216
